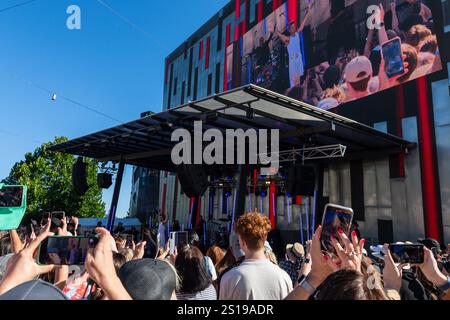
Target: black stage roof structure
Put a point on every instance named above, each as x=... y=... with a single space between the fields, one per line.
x=146 y=142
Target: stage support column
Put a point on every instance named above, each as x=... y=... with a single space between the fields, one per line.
x=115 y=198
x=241 y=191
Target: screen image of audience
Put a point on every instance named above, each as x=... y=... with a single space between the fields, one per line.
x=330 y=63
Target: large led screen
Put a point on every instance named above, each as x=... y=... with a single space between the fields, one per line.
x=338 y=51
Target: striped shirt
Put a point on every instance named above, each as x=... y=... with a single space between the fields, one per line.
x=207 y=294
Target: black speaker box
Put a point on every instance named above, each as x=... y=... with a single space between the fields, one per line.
x=104 y=180
x=79 y=177
x=193 y=180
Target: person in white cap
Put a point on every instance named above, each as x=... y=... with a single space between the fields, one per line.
x=358 y=75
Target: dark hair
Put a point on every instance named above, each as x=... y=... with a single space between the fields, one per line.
x=348 y=285
x=193 y=238
x=360 y=85
x=227 y=261
x=331 y=76
x=411 y=58
x=119 y=260
x=190 y=265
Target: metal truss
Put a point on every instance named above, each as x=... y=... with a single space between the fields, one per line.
x=309 y=153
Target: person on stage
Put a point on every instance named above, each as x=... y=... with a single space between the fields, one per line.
x=292 y=42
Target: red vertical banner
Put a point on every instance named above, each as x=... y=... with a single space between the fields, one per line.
x=238 y=9
x=298 y=200
x=400 y=105
x=236 y=32
x=208 y=52
x=293 y=10
x=200 y=51
x=260 y=10
x=225 y=64
x=429 y=174
x=275 y=4
x=272 y=195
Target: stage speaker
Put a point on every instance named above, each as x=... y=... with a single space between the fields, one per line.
x=305 y=182
x=193 y=180
x=290 y=180
x=79 y=177
x=104 y=180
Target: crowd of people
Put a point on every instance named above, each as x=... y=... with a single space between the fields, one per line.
x=247 y=270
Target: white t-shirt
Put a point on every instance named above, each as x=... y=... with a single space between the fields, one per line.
x=210 y=268
x=255 y=280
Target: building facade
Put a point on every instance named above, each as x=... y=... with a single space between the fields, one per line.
x=397 y=198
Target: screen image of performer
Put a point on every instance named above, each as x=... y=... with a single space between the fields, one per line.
x=292 y=42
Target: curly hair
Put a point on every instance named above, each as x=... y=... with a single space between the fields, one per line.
x=416 y=34
x=253 y=229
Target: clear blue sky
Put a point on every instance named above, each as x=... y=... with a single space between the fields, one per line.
x=107 y=65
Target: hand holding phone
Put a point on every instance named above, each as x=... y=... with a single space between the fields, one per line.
x=407 y=253
x=335 y=218
x=65 y=250
x=177 y=240
x=393 y=57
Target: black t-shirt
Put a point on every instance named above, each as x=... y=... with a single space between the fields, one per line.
x=412 y=288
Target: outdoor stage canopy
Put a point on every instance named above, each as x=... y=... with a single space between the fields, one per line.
x=147 y=142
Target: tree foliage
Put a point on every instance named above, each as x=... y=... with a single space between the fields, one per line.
x=48 y=176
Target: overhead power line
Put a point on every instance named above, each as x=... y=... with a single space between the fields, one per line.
x=71 y=100
x=16 y=6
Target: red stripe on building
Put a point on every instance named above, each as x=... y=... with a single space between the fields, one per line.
x=225 y=66
x=272 y=198
x=298 y=200
x=238 y=9
x=275 y=4
x=236 y=32
x=200 y=51
x=260 y=10
x=293 y=10
x=400 y=104
x=208 y=52
x=429 y=183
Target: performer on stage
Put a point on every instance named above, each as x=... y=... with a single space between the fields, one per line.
x=292 y=42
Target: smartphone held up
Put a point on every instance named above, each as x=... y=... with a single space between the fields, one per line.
x=62 y=251
x=335 y=218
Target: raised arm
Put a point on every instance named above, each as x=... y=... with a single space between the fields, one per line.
x=368 y=47
x=382 y=34
x=283 y=38
x=16 y=244
x=395 y=23
x=305 y=20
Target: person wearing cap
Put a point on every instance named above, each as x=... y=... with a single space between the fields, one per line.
x=292 y=42
x=358 y=74
x=256 y=278
x=295 y=254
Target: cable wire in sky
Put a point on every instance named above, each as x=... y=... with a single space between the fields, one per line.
x=73 y=101
x=16 y=6
x=131 y=23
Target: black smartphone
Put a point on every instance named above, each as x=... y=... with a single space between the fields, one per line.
x=11 y=196
x=334 y=218
x=177 y=239
x=393 y=57
x=65 y=251
x=130 y=239
x=407 y=253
